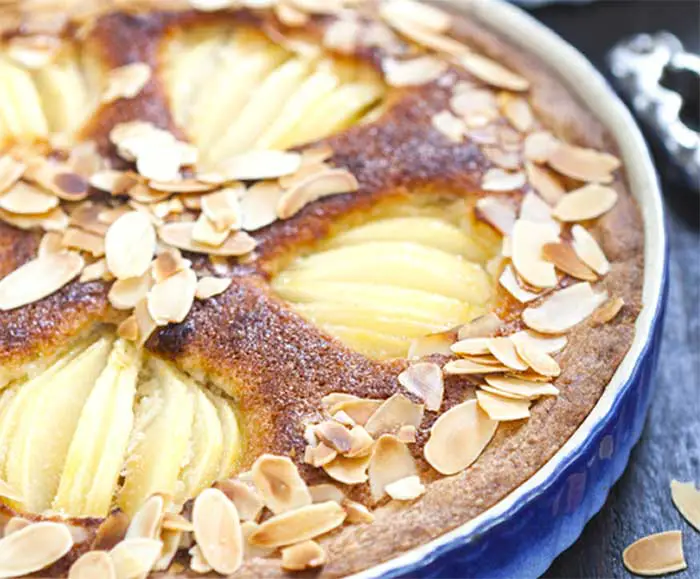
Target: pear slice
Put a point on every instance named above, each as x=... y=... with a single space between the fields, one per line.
x=231 y=433
x=46 y=426
x=23 y=102
x=206 y=447
x=399 y=263
x=96 y=453
x=373 y=344
x=160 y=442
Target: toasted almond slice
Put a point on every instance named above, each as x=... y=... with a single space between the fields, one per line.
x=544 y=183
x=528 y=240
x=126 y=81
x=126 y=293
x=493 y=73
x=517 y=111
x=304 y=555
x=248 y=502
x=458 y=437
x=342 y=35
x=407 y=434
x=208 y=287
x=471 y=346
x=478 y=108
x=686 y=498
x=484 y=326
x=205 y=232
x=180 y=235
x=75 y=238
x=279 y=483
x=414 y=71
x=423 y=346
x=223 y=208
x=95 y=271
x=394 y=413
x=510 y=282
x=171 y=544
x=608 y=311
x=39 y=278
x=583 y=164
x=93 y=564
x=257 y=165
x=565 y=259
x=184 y=186
x=497 y=179
x=359 y=409
x=427 y=16
x=391 y=461
x=539 y=361
x=330 y=401
x=361 y=442
x=176 y=522
x=510 y=160
x=112 y=530
x=357 y=513
x=135 y=557
x=299 y=525
x=449 y=125
x=497 y=213
x=319 y=455
x=405 y=489
x=344 y=418
x=518 y=388
x=198 y=563
x=425 y=381
x=547 y=344
x=470 y=367
x=33 y=548
x=501 y=408
x=170 y=301
x=290 y=16
x=335 y=435
x=50 y=243
x=323 y=492
x=429 y=39
x=25 y=199
x=588 y=250
x=534 y=209
x=539 y=146
x=147 y=520
x=259 y=205
x=564 y=309
x=656 y=554
x=145 y=323
x=504 y=351
x=54 y=220
x=318 y=185
x=129 y=245
x=11 y=172
x=217 y=530
x=168 y=263
x=588 y=202
x=349 y=471
x=14 y=525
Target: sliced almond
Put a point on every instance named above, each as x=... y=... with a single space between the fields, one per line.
x=357 y=513
x=497 y=213
x=279 y=483
x=54 y=220
x=533 y=208
x=544 y=183
x=14 y=525
x=413 y=72
x=126 y=81
x=504 y=351
x=458 y=437
x=425 y=381
x=588 y=202
x=391 y=461
x=91 y=243
x=176 y=522
x=314 y=187
x=656 y=554
x=168 y=263
x=144 y=322
x=423 y=346
x=407 y=434
x=342 y=35
x=33 y=548
x=583 y=164
x=11 y=172
x=208 y=287
x=539 y=361
x=497 y=179
x=588 y=250
x=471 y=346
x=686 y=498
x=565 y=259
x=184 y=186
x=135 y=557
x=564 y=309
x=93 y=564
x=425 y=15
x=205 y=232
x=548 y=344
x=326 y=492
x=112 y=530
x=429 y=39
x=147 y=520
x=359 y=409
x=517 y=111
x=478 y=108
x=528 y=240
x=319 y=455
x=25 y=199
x=259 y=205
x=223 y=209
x=170 y=301
x=608 y=311
x=298 y=525
x=459 y=367
x=304 y=555
x=335 y=435
x=180 y=235
x=449 y=125
x=171 y=544
x=39 y=278
x=405 y=489
x=129 y=245
x=394 y=413
x=257 y=165
x=520 y=388
x=50 y=243
x=539 y=146
x=248 y=502
x=198 y=563
x=493 y=73
x=501 y=408
x=484 y=326
x=349 y=471
x=217 y=530
x=509 y=281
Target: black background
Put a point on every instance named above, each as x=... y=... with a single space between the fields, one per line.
x=640 y=503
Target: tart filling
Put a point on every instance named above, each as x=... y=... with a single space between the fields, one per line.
x=276 y=273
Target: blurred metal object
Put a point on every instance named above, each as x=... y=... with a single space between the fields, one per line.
x=661 y=81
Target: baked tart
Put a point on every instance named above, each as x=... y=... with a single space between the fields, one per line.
x=289 y=284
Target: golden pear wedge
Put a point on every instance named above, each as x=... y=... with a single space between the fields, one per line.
x=231 y=433
x=23 y=102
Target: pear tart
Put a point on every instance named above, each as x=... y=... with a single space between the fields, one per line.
x=290 y=284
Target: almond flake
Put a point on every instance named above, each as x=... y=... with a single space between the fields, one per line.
x=11 y=172
x=217 y=530
x=497 y=179
x=223 y=208
x=423 y=346
x=126 y=81
x=259 y=205
x=425 y=381
x=279 y=483
x=458 y=437
x=335 y=435
x=471 y=346
x=517 y=111
x=583 y=164
x=359 y=409
x=539 y=361
x=528 y=240
x=176 y=522
x=126 y=293
x=405 y=489
x=342 y=35
x=588 y=250
x=248 y=502
x=361 y=442
x=129 y=245
x=326 y=492
x=81 y=240
x=497 y=213
x=54 y=220
x=424 y=15
x=449 y=125
x=185 y=186
x=548 y=344
x=519 y=388
x=470 y=367
x=168 y=263
x=564 y=309
x=314 y=187
x=493 y=73
x=533 y=208
x=33 y=548
x=510 y=282
x=25 y=199
x=15 y=524
x=349 y=471
x=93 y=564
x=319 y=455
x=544 y=183
x=504 y=351
x=87 y=216
x=607 y=311
x=478 y=108
x=144 y=194
x=429 y=39
x=686 y=498
x=484 y=326
x=39 y=278
x=394 y=413
x=565 y=259
x=358 y=513
x=257 y=165
x=290 y=16
x=206 y=233
x=208 y=287
x=539 y=146
x=298 y=525
x=147 y=520
x=170 y=301
x=503 y=409
x=198 y=563
x=171 y=544
x=305 y=555
x=656 y=554
x=180 y=235
x=588 y=202
x=391 y=461
x=413 y=72
x=135 y=557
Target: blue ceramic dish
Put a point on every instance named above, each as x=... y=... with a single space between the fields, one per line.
x=522 y=534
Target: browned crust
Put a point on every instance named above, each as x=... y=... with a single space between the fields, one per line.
x=278 y=366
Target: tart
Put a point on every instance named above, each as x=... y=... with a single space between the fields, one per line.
x=289 y=285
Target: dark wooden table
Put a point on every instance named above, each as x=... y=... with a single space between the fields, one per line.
x=640 y=502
